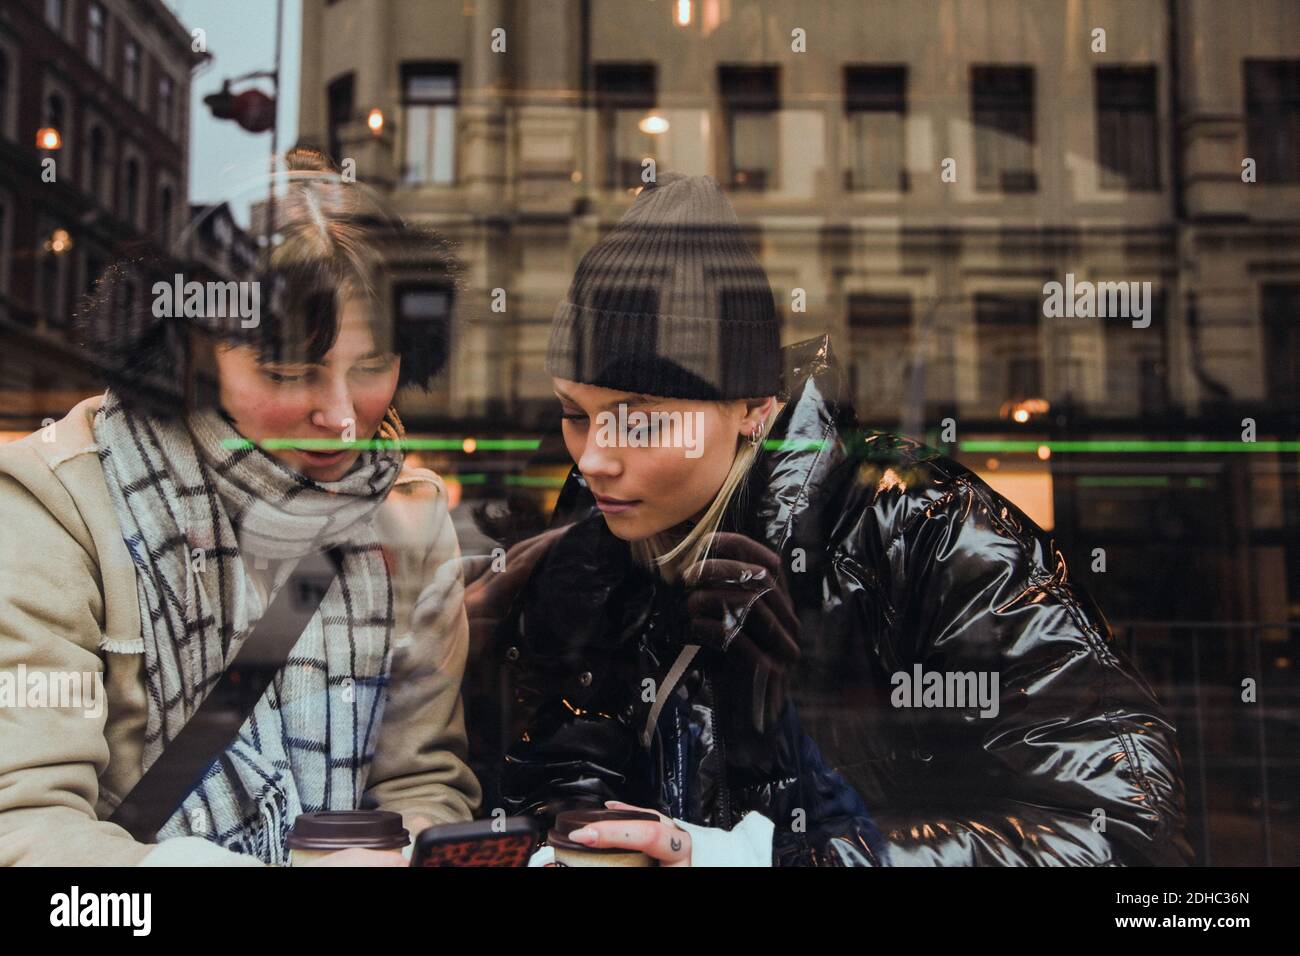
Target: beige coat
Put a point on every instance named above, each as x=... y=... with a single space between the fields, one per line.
x=68 y=595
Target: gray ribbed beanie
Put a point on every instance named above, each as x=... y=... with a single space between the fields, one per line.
x=671 y=302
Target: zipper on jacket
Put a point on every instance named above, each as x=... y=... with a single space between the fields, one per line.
x=724 y=793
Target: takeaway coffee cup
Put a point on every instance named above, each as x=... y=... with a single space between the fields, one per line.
x=569 y=853
x=316 y=834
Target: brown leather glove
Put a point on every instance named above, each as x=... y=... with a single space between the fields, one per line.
x=739 y=604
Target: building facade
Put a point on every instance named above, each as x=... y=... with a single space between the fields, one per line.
x=914 y=175
x=94 y=132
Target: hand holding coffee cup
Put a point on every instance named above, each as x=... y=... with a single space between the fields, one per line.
x=348 y=838
x=357 y=856
x=622 y=835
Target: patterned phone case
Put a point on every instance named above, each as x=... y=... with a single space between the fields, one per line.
x=467 y=845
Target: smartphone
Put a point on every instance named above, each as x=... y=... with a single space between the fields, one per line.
x=503 y=842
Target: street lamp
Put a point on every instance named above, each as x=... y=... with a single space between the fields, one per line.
x=47 y=137
x=255 y=111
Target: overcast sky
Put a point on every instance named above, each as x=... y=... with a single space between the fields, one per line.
x=241 y=38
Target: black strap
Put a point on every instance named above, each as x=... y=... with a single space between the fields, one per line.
x=212 y=728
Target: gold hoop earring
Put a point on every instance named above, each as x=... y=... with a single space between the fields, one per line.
x=756 y=435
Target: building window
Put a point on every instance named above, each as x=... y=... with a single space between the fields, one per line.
x=880 y=336
x=95 y=23
x=1281 y=315
x=54 y=111
x=5 y=256
x=1128 y=147
x=50 y=288
x=4 y=92
x=55 y=114
x=1137 y=377
x=750 y=100
x=875 y=107
x=165 y=204
x=131 y=193
x=54 y=12
x=94 y=269
x=165 y=104
x=423 y=303
x=1007 y=332
x=625 y=93
x=1002 y=108
x=423 y=313
x=429 y=109
x=131 y=70
x=53 y=274
x=97 y=164
x=1273 y=119
x=339 y=106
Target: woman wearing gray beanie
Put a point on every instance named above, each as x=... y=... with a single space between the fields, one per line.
x=732 y=542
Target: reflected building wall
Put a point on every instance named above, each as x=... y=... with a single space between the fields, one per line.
x=112 y=78
x=911 y=177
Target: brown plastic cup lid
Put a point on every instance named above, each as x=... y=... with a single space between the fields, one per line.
x=570 y=820
x=344 y=829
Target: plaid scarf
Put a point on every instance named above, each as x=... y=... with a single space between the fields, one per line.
x=194 y=506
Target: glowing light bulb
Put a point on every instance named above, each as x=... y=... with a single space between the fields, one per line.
x=654 y=124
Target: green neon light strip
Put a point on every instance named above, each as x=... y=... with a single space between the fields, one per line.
x=476 y=478
x=380 y=444
x=1115 y=481
x=534 y=481
x=792 y=444
x=1194 y=447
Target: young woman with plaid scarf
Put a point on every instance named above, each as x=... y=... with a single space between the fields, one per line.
x=147 y=532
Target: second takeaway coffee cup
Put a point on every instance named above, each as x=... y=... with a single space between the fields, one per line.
x=316 y=834
x=569 y=853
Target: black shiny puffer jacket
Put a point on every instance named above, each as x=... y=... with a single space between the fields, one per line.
x=899 y=561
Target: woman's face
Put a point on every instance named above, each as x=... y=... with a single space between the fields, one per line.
x=345 y=395
x=643 y=482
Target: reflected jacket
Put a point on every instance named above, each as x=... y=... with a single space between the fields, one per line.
x=901 y=564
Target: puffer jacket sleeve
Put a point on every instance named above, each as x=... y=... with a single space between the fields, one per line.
x=1079 y=765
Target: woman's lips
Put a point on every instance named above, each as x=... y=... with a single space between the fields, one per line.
x=323 y=459
x=613 y=506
